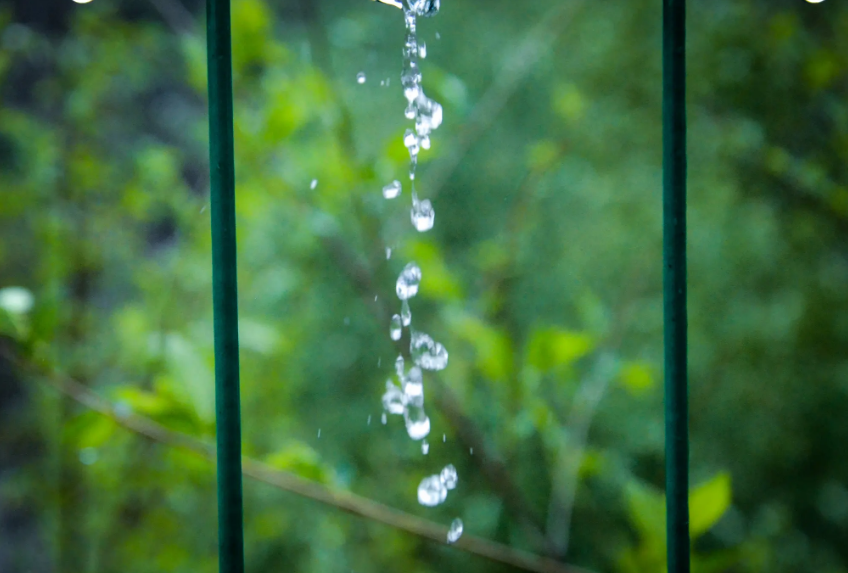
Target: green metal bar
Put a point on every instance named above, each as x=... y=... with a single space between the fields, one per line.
x=224 y=287
x=674 y=285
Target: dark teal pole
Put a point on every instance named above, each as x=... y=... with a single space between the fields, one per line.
x=224 y=287
x=674 y=285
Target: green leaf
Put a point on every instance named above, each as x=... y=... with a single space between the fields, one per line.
x=637 y=377
x=551 y=348
x=300 y=459
x=438 y=282
x=646 y=509
x=708 y=503
x=192 y=373
x=492 y=346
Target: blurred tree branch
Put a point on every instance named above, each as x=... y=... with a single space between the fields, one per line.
x=175 y=15
x=517 y=65
x=487 y=459
x=349 y=502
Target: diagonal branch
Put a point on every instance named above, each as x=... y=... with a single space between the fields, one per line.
x=345 y=501
x=519 y=63
x=487 y=458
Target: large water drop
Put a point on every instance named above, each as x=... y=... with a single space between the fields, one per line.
x=413 y=387
x=455 y=531
x=394 y=400
x=431 y=491
x=360 y=78
x=427 y=353
x=392 y=190
x=405 y=313
x=417 y=422
x=422 y=215
x=449 y=476
x=408 y=281
x=395 y=328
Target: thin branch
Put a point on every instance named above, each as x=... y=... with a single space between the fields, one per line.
x=349 y=502
x=177 y=16
x=567 y=467
x=515 y=68
x=487 y=458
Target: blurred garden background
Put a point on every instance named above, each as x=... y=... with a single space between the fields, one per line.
x=542 y=277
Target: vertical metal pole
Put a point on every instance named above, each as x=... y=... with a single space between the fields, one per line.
x=224 y=287
x=674 y=285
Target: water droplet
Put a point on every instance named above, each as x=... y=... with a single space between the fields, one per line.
x=427 y=353
x=384 y=419
x=395 y=328
x=417 y=422
x=388 y=253
x=431 y=491
x=430 y=115
x=408 y=281
x=314 y=184
x=455 y=531
x=424 y=7
x=369 y=419
x=410 y=141
x=379 y=361
x=471 y=451
x=425 y=447
x=392 y=190
x=438 y=36
x=413 y=387
x=347 y=320
x=422 y=50
x=319 y=433
x=449 y=477
x=360 y=78
x=444 y=438
x=422 y=215
x=405 y=313
x=394 y=401
x=399 y=367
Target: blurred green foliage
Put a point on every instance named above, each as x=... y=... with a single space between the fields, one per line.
x=541 y=277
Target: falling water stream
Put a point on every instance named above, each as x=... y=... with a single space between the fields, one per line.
x=406 y=397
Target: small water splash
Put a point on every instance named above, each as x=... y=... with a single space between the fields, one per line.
x=399 y=367
x=455 y=531
x=394 y=401
x=449 y=476
x=313 y=184
x=405 y=313
x=422 y=215
x=360 y=78
x=395 y=327
x=388 y=253
x=422 y=50
x=413 y=387
x=392 y=190
x=408 y=281
x=425 y=447
x=427 y=353
x=431 y=491
x=384 y=419
x=417 y=422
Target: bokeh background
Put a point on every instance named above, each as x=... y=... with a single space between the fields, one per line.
x=542 y=277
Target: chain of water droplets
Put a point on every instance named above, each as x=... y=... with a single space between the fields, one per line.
x=407 y=398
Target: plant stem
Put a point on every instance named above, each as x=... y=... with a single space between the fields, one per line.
x=224 y=287
x=674 y=284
